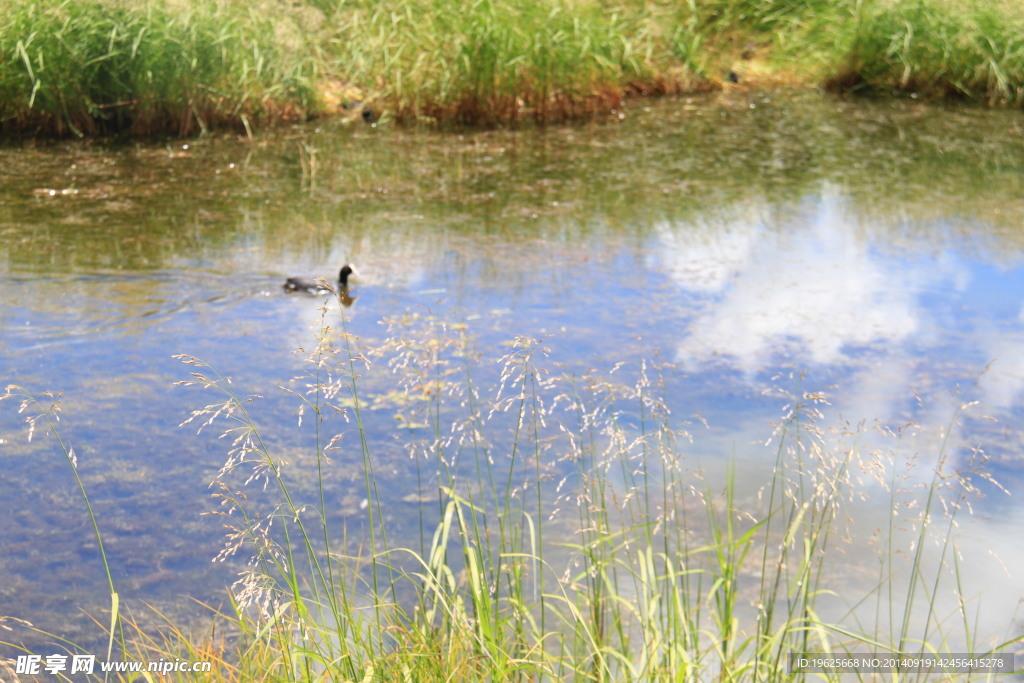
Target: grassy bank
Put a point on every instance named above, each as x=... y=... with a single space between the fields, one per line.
x=184 y=66
x=89 y=67
x=566 y=532
x=493 y=62
x=973 y=52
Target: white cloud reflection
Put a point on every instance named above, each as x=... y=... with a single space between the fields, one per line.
x=1003 y=385
x=889 y=315
x=813 y=288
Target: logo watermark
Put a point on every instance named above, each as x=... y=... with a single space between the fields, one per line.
x=58 y=664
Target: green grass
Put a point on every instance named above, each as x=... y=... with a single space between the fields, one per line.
x=973 y=51
x=566 y=532
x=494 y=62
x=159 y=66
x=83 y=67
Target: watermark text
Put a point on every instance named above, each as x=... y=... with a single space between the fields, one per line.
x=35 y=665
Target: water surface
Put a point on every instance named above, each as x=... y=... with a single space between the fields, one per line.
x=757 y=246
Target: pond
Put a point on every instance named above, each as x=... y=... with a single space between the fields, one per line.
x=749 y=246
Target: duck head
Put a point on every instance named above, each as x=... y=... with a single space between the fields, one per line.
x=346 y=271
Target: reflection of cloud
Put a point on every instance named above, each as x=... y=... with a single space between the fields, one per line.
x=709 y=265
x=908 y=329
x=1003 y=384
x=816 y=289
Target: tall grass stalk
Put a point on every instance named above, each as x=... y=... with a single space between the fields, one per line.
x=49 y=416
x=645 y=591
x=580 y=541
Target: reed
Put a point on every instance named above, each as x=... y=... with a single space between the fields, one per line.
x=85 y=67
x=91 y=66
x=567 y=534
x=970 y=51
x=494 y=62
x=566 y=531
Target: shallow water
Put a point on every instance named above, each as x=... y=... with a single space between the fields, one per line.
x=760 y=244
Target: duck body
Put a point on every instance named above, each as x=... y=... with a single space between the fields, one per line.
x=304 y=284
x=315 y=286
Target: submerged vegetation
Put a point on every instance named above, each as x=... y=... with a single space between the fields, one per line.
x=96 y=66
x=566 y=531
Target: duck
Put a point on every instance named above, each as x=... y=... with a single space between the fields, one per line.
x=315 y=286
